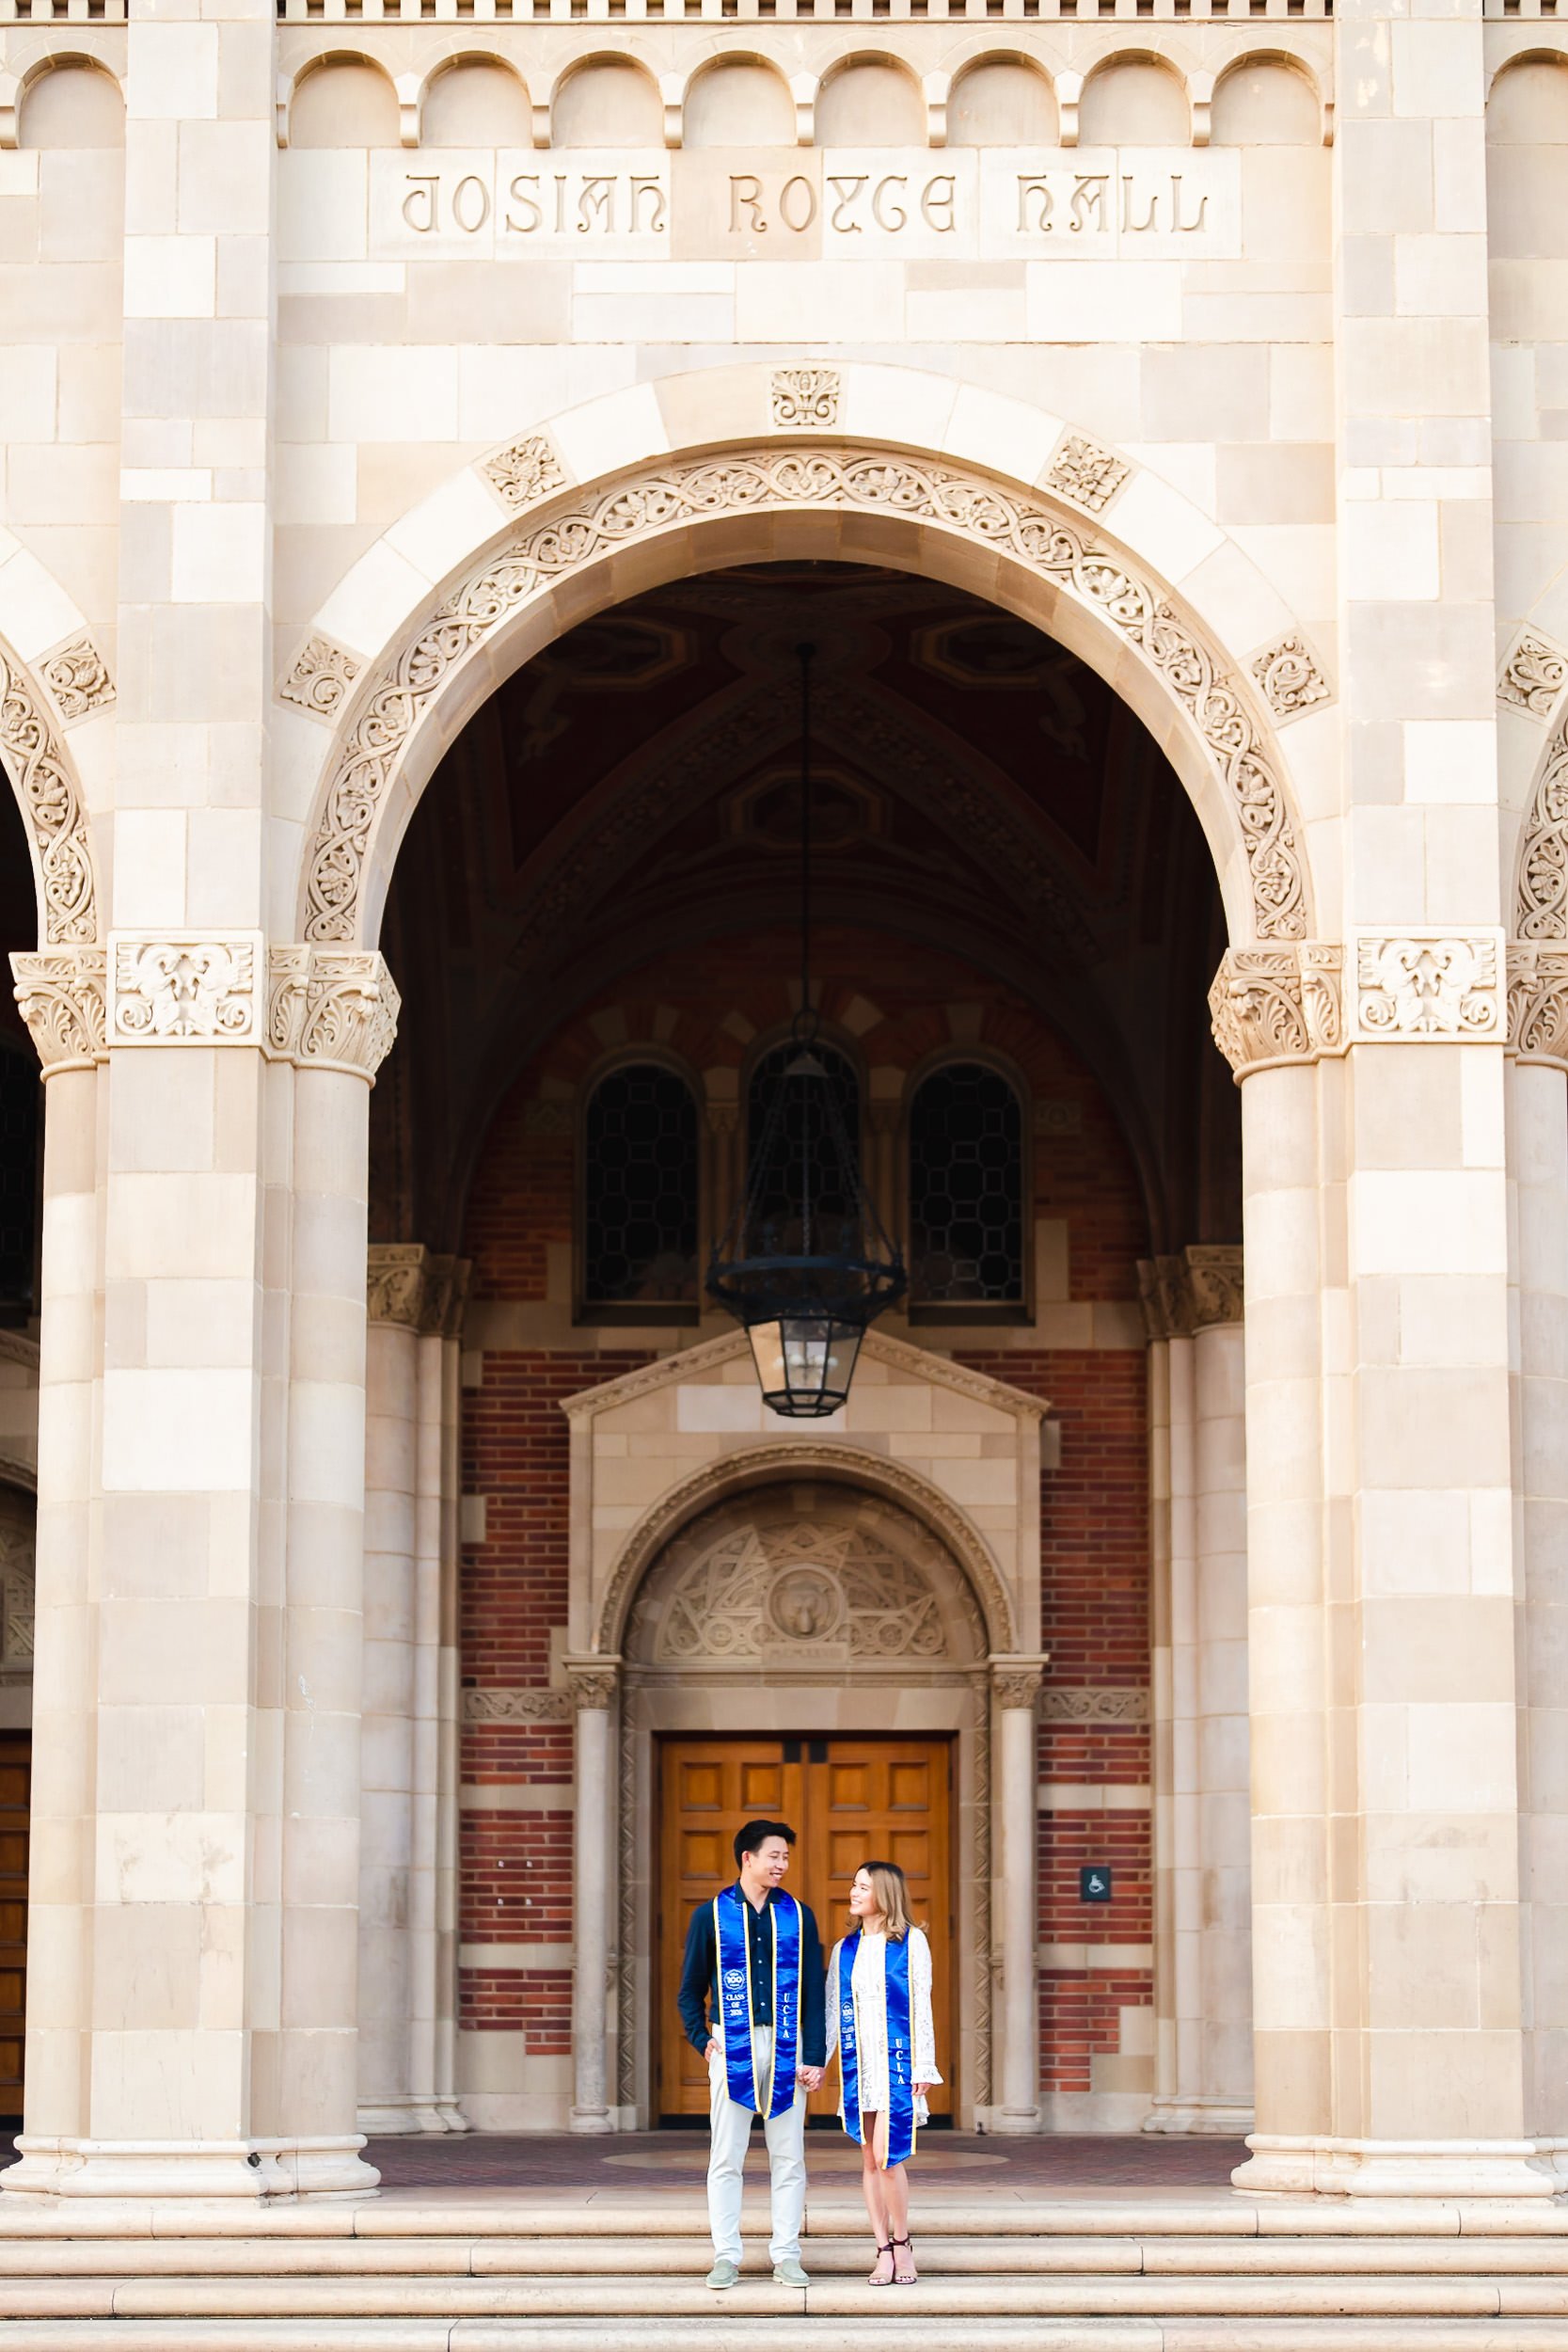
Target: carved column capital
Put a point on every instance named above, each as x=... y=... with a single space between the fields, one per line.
x=1274 y=1005
x=1015 y=1681
x=1538 y=1002
x=592 y=1683
x=1214 y=1279
x=1166 y=1294
x=396 y=1276
x=61 y=992
x=332 y=1009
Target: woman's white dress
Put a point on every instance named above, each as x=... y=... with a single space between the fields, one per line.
x=869 y=1985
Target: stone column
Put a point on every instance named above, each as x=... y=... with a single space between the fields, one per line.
x=1202 y=1897
x=593 y=1683
x=1538 y=1168
x=1015 y=1925
x=448 y=1684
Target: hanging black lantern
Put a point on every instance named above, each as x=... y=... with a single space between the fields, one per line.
x=806 y=1265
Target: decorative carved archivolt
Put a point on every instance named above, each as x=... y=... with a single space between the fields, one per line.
x=540 y=1705
x=1538 y=1002
x=805 y=396
x=61 y=992
x=321 y=677
x=1124 y=1705
x=185 y=988
x=1426 y=984
x=78 y=678
x=1088 y=474
x=1272 y=1005
x=1533 y=675
x=679 y=493
x=1542 y=895
x=525 y=470
x=332 y=1009
x=52 y=807
x=789 y=1575
x=1290 y=677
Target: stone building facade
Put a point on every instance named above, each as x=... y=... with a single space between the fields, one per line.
x=427 y=432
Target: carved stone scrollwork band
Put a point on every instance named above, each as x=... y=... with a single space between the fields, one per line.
x=1272 y=1005
x=61 y=993
x=1542 y=895
x=589 y=526
x=332 y=1009
x=51 y=805
x=528 y=1705
x=1538 y=1003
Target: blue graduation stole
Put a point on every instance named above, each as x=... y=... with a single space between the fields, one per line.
x=897 y=2134
x=735 y=1999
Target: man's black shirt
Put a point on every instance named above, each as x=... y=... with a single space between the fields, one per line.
x=699 y=1978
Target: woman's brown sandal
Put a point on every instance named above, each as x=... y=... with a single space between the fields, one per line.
x=914 y=2278
x=873 y=2280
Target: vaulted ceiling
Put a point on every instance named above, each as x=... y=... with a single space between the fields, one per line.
x=635 y=787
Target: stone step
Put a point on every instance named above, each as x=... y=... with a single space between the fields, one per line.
x=827 y=2257
x=953 y=2299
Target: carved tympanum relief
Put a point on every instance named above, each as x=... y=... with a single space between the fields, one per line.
x=802 y=1575
x=672 y=497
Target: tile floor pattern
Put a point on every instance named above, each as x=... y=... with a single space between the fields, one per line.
x=678 y=2159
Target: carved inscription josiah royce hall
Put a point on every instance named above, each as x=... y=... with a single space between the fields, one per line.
x=1012 y=204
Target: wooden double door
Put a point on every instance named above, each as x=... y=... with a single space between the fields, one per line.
x=848 y=1800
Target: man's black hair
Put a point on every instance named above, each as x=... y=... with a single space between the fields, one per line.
x=751 y=1834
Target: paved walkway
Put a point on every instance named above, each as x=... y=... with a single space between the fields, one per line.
x=649 y=2162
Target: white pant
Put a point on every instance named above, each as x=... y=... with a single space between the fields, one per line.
x=787 y=2159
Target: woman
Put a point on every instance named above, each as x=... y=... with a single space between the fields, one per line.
x=880 y=2022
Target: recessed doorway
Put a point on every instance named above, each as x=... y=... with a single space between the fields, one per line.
x=846 y=1799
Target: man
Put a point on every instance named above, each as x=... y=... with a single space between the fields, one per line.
x=754 y=1953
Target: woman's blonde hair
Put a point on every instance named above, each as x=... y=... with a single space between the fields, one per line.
x=892 y=1891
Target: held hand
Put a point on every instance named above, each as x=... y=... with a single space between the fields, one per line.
x=711 y=2052
x=921 y=2089
x=811 y=2076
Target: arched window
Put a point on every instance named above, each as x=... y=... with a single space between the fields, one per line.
x=640 y=1190
x=966 y=1189
x=780 y=1202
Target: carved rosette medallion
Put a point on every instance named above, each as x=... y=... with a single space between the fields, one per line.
x=1538 y=1002
x=41 y=772
x=61 y=992
x=1533 y=675
x=530 y=1706
x=319 y=678
x=1088 y=474
x=78 y=678
x=525 y=473
x=1430 y=986
x=330 y=1008
x=1290 y=677
x=805 y=396
x=1272 y=1005
x=917 y=493
x=185 y=988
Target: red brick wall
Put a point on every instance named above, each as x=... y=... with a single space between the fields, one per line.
x=516 y=1867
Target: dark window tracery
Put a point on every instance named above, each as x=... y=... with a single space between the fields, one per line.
x=966 y=1189
x=639 y=1204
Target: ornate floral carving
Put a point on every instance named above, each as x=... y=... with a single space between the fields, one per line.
x=1166 y=1295
x=1016 y=1682
x=332 y=1009
x=517 y=1707
x=78 y=678
x=52 y=804
x=1125 y=1705
x=321 y=677
x=805 y=396
x=1089 y=475
x=184 y=988
x=1542 y=889
x=1533 y=675
x=591 y=1687
x=524 y=471
x=1290 y=677
x=446 y=1294
x=1277 y=1004
x=1428 y=984
x=1538 y=1002
x=672 y=497
x=768 y=1576
x=61 y=993
x=396 y=1276
x=1215 y=1277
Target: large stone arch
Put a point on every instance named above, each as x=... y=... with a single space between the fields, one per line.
x=740 y=464
x=49 y=794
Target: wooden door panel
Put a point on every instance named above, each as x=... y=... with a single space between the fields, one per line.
x=16 y=1752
